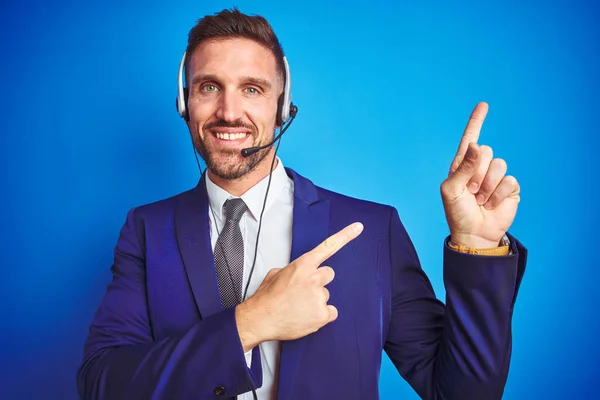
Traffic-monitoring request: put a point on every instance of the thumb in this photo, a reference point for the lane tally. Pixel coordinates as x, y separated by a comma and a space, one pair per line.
467, 167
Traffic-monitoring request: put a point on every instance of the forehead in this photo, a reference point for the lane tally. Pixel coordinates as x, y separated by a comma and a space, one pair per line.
233, 57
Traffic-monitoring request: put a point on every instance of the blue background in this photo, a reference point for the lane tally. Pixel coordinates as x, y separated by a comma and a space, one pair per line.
89, 130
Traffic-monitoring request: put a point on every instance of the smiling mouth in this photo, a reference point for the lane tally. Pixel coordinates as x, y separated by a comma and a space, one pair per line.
230, 136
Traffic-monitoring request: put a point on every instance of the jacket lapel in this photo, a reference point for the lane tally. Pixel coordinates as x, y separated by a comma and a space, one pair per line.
193, 238
310, 227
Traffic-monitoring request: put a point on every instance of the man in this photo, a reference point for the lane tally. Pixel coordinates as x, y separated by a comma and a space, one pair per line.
257, 283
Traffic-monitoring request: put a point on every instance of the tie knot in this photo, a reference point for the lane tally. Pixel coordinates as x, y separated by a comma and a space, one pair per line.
234, 209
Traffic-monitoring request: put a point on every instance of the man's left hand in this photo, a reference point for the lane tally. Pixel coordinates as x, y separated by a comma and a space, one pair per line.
479, 200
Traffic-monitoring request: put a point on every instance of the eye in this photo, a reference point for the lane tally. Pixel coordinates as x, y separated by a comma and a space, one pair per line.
210, 88
251, 90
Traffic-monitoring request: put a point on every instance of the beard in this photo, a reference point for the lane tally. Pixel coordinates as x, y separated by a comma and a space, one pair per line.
228, 164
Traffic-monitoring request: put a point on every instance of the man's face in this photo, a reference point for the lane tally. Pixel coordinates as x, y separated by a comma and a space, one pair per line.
233, 91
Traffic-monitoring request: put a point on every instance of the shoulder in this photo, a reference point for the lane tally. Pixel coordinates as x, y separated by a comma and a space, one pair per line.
161, 209
381, 221
378, 218
354, 205
342, 208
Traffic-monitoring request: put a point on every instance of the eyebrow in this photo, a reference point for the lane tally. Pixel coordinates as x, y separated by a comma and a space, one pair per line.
246, 79
257, 81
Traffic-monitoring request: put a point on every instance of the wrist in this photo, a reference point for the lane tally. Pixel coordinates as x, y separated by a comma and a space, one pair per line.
249, 326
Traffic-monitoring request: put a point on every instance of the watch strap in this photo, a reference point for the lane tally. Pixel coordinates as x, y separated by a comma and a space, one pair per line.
502, 250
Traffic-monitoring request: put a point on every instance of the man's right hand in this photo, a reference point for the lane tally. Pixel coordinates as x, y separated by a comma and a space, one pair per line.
291, 302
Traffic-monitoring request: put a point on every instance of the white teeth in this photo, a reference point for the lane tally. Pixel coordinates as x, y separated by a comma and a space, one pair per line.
231, 136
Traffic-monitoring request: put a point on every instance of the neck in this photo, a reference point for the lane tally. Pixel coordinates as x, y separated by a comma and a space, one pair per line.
237, 187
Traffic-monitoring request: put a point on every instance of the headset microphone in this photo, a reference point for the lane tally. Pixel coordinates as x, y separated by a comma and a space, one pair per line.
251, 150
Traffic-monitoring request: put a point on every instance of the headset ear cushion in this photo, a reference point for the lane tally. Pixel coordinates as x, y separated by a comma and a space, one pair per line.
185, 102
279, 119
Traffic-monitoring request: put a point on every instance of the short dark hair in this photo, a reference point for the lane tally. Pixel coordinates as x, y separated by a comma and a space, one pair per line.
234, 24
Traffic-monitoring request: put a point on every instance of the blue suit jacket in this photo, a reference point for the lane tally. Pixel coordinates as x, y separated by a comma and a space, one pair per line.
160, 332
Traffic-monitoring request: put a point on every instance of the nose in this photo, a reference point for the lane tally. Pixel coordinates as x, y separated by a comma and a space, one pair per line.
230, 108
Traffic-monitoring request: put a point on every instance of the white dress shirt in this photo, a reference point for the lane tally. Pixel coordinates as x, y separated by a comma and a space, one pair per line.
274, 248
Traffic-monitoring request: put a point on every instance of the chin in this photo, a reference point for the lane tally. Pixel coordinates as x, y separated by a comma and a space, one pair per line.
232, 165
229, 164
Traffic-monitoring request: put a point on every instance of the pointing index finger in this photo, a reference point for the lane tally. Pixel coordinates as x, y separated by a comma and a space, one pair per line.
471, 133
333, 243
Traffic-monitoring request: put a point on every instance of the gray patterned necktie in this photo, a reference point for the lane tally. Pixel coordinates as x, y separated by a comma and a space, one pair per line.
229, 254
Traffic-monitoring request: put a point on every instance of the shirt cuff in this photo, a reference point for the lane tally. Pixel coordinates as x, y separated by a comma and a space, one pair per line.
502, 250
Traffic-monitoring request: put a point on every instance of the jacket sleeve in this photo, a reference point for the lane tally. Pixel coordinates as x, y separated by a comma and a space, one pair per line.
122, 360
461, 350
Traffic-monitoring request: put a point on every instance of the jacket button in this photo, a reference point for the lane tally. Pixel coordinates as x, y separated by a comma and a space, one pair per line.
219, 391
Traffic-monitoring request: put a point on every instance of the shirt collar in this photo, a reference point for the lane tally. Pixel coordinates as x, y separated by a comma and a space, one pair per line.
254, 197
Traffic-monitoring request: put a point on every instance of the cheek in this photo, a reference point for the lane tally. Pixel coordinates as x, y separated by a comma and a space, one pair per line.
200, 114
263, 116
